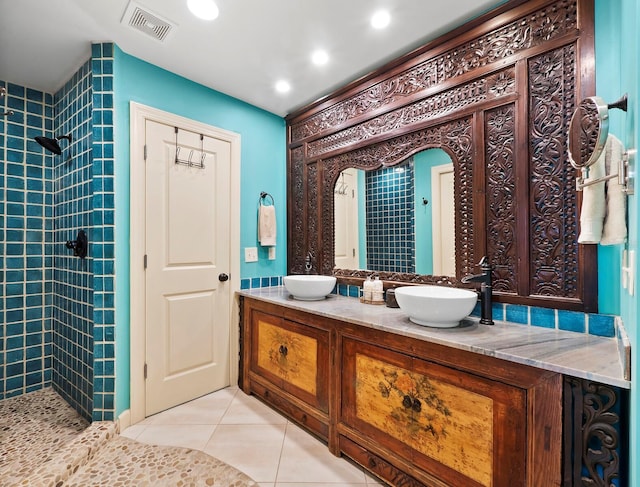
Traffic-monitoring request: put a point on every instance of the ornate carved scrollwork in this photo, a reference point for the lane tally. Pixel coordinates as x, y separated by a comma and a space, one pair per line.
497, 95
534, 29
312, 214
496, 85
296, 212
501, 191
599, 434
553, 210
593, 433
399, 277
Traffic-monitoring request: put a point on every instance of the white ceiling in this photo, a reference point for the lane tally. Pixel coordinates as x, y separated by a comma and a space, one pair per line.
242, 53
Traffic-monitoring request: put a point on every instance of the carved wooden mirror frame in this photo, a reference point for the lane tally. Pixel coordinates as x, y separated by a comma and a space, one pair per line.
497, 94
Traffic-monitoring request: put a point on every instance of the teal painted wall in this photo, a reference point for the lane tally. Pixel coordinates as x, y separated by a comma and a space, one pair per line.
263, 166
617, 72
609, 89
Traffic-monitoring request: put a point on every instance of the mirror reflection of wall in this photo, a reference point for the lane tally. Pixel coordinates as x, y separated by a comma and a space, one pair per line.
397, 219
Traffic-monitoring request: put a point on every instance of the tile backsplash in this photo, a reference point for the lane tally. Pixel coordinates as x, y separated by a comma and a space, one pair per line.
591, 323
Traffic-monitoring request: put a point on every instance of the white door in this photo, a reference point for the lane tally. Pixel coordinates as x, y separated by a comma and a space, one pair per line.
444, 231
187, 249
345, 204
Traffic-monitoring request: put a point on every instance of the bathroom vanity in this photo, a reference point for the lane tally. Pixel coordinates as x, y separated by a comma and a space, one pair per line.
472, 406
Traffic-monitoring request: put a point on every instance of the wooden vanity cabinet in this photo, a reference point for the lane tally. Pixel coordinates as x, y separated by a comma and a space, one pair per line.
412, 412
287, 354
416, 413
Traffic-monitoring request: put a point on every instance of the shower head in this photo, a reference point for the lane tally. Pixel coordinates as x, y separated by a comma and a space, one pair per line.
52, 144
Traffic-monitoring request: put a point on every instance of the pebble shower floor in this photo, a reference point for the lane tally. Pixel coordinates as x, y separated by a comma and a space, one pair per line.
44, 442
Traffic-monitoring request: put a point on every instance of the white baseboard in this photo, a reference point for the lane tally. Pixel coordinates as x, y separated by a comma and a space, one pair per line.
124, 419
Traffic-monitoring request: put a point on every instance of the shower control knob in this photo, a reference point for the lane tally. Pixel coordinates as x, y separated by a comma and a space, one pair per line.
223, 277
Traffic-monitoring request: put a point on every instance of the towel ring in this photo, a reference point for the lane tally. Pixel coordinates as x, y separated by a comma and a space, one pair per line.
263, 196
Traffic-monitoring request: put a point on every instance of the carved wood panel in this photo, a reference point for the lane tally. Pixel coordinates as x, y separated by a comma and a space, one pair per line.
498, 98
536, 28
494, 86
312, 217
296, 221
554, 245
501, 197
594, 433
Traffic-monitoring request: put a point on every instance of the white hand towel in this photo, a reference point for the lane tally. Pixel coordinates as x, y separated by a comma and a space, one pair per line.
593, 205
615, 226
267, 225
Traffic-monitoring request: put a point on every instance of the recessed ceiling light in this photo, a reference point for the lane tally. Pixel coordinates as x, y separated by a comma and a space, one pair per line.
203, 9
380, 19
319, 57
282, 86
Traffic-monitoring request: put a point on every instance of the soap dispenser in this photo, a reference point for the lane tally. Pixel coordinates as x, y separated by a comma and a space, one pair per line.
377, 295
367, 290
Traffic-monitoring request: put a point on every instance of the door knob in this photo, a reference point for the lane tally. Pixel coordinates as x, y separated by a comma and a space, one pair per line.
223, 277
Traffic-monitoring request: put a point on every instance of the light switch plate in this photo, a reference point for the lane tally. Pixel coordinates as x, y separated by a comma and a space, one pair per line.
272, 253
251, 254
628, 271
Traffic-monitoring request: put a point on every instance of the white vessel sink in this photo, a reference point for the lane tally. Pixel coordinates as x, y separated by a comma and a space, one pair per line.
437, 306
309, 287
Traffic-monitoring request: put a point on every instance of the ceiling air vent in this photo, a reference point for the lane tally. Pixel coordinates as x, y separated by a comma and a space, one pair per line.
142, 19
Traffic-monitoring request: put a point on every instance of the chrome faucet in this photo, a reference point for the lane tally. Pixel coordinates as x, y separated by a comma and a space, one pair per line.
486, 309
308, 263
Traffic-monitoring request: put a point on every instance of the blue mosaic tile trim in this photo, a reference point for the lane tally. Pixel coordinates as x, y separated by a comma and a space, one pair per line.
348, 290
103, 227
275, 281
593, 324
571, 321
73, 283
390, 219
25, 237
258, 282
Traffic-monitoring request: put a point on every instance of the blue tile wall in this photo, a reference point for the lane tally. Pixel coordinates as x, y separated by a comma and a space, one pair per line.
57, 311
25, 237
390, 219
103, 225
73, 280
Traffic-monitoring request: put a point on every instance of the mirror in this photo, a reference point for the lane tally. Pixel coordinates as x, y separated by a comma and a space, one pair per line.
588, 132
397, 219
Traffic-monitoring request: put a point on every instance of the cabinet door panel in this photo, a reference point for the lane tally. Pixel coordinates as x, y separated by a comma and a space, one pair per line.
462, 428
292, 356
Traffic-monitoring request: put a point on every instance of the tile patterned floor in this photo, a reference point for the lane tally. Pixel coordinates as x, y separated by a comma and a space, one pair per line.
243, 432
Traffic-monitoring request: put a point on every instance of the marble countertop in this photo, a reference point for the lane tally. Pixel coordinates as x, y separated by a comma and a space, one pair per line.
575, 354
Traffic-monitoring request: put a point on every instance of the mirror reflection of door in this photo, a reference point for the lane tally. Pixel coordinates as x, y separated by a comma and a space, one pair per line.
444, 250
346, 220
431, 221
